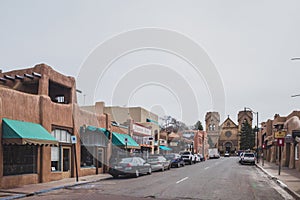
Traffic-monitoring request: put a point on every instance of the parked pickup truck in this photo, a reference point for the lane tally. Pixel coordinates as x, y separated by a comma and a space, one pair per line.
187, 157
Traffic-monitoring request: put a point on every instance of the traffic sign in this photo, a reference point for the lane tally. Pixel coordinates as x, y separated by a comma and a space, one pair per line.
280, 134
280, 142
73, 139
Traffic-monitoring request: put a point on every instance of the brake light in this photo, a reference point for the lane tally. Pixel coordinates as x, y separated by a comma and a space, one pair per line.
129, 165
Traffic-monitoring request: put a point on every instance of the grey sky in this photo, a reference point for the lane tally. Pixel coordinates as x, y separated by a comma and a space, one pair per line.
249, 42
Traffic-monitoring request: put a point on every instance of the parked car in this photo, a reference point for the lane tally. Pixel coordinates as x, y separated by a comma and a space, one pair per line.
159, 163
175, 159
213, 153
201, 157
196, 158
227, 154
248, 158
187, 156
133, 166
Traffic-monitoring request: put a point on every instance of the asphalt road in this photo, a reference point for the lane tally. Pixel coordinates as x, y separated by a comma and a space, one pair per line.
222, 178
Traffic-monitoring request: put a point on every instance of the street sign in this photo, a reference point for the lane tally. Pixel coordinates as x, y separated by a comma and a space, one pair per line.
280, 142
288, 139
73, 139
280, 134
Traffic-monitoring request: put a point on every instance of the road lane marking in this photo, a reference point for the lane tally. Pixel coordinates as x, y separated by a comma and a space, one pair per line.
206, 168
182, 180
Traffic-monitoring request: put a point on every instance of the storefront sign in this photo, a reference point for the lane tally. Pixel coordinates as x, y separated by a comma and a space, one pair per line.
288, 139
142, 130
173, 144
280, 134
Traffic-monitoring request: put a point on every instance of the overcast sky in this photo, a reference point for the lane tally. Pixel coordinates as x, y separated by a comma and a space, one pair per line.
249, 43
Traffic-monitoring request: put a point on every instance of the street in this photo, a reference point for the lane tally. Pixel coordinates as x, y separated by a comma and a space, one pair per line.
222, 178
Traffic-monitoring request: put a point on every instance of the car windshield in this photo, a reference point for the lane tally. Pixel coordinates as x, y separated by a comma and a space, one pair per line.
126, 160
152, 159
171, 156
185, 153
249, 155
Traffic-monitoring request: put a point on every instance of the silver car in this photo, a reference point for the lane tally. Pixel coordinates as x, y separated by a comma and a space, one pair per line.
159, 163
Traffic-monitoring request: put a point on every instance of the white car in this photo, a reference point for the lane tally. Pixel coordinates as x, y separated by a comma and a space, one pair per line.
247, 158
196, 158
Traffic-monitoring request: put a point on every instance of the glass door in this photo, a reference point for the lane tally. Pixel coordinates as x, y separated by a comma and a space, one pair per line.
66, 164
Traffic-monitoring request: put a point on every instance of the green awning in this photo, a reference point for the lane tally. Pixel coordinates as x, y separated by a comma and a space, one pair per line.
93, 128
119, 139
19, 132
94, 136
165, 148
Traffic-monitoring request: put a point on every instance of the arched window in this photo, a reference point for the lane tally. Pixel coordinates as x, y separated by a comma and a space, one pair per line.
213, 127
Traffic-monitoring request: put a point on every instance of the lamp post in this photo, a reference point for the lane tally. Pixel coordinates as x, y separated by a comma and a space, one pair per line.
256, 130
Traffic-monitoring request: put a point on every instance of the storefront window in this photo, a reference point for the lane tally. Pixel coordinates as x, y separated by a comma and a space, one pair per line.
64, 137
19, 159
55, 159
87, 159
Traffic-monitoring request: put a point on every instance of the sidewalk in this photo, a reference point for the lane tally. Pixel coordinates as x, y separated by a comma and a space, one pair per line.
289, 179
32, 189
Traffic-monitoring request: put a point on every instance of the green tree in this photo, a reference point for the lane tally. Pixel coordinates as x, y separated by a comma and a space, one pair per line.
247, 137
198, 126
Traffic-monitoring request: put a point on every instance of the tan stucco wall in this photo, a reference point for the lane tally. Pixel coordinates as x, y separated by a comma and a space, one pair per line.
38, 108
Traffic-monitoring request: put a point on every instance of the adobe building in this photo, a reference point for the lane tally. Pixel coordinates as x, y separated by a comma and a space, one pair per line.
138, 120
39, 122
290, 126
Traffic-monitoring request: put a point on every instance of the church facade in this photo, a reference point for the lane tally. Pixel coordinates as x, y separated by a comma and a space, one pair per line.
226, 136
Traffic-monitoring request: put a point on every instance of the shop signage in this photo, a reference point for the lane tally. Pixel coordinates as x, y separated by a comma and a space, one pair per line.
288, 139
142, 130
173, 144
280, 134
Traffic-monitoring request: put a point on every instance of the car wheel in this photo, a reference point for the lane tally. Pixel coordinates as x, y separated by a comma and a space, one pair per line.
137, 173
149, 171
190, 162
115, 176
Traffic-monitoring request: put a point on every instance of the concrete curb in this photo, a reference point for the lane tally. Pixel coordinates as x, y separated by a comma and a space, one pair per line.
280, 183
19, 196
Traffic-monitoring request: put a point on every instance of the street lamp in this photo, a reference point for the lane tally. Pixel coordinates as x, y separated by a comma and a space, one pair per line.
256, 130
296, 58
